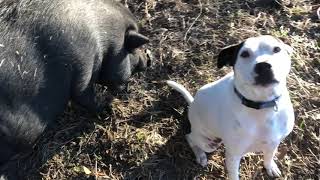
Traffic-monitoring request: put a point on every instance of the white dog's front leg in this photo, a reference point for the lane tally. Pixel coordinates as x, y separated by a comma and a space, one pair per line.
269, 164
233, 165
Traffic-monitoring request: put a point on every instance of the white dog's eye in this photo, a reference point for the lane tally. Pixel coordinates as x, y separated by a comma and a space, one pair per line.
245, 54
276, 49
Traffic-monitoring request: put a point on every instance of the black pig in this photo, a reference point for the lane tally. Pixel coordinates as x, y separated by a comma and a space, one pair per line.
53, 51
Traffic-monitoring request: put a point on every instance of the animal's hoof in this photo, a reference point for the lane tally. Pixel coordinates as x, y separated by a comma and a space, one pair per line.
273, 170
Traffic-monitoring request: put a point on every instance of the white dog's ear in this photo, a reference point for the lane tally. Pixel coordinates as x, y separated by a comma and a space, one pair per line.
228, 55
286, 45
288, 48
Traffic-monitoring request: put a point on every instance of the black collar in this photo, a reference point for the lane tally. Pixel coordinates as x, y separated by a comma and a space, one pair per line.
257, 104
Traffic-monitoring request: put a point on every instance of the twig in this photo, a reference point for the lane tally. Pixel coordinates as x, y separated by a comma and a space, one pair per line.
192, 24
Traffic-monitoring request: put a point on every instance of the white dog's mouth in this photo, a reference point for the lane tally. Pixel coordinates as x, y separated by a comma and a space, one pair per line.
265, 79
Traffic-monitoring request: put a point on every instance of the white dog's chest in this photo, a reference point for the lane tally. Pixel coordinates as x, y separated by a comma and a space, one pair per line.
260, 131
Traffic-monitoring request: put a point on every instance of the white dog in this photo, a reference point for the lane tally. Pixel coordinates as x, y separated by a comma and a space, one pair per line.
248, 110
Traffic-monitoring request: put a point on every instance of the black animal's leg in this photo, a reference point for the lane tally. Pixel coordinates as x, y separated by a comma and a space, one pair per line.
9, 165
6, 151
89, 100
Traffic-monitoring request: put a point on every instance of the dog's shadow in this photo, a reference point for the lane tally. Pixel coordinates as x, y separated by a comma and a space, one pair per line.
174, 160
169, 161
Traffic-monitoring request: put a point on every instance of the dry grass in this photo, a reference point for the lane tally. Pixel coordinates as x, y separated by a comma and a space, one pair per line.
142, 135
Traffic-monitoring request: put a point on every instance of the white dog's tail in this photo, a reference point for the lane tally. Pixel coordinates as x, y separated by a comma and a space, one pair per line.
178, 87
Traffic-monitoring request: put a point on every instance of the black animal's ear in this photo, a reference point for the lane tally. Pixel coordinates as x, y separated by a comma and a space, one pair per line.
228, 55
134, 40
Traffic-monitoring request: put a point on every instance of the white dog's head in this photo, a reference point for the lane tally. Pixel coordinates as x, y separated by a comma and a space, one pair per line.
258, 61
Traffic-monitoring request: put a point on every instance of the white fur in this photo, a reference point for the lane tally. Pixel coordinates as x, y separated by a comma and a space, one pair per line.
217, 112
181, 90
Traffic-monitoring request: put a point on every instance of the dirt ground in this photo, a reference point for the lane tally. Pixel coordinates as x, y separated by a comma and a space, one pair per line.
141, 134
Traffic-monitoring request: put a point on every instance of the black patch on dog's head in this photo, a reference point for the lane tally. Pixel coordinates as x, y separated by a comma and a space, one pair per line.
228, 55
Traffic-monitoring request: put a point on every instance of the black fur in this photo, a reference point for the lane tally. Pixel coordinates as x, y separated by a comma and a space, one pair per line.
54, 51
228, 55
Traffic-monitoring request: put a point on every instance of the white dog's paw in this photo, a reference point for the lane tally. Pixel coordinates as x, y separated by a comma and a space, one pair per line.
202, 159
273, 170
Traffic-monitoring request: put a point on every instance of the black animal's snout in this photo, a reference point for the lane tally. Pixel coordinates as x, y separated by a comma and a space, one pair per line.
145, 60
262, 68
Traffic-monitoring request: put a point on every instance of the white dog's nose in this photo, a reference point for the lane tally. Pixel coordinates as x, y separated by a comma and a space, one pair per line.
264, 74
262, 68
